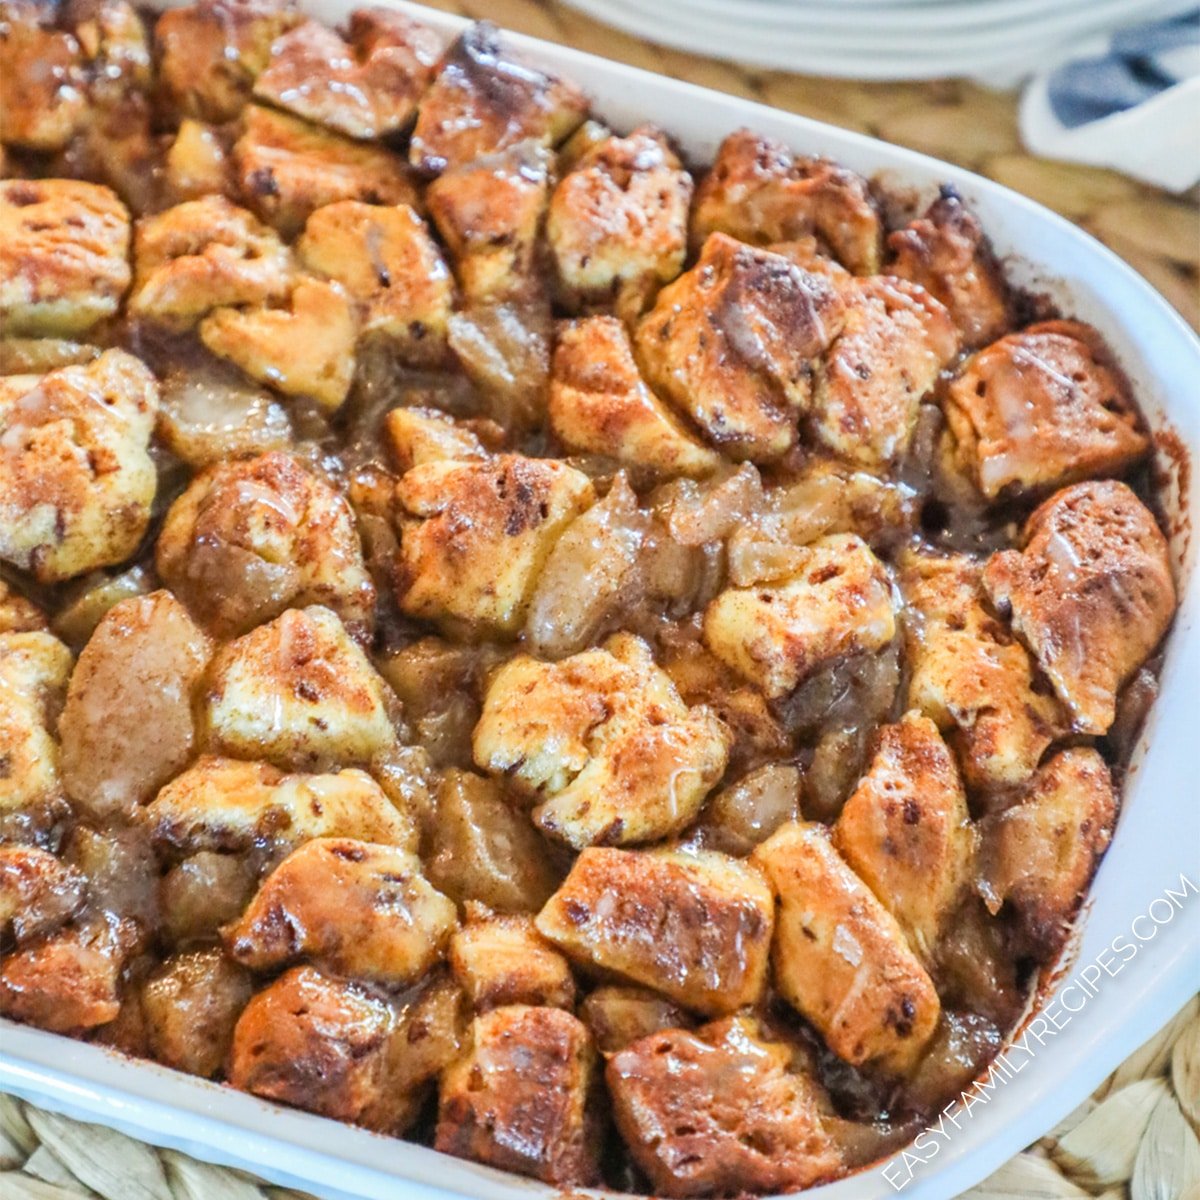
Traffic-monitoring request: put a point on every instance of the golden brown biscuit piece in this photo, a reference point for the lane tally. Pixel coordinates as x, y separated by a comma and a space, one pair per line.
248, 539
948, 254
299, 693
42, 80
477, 534
197, 162
906, 832
210, 53
38, 892
287, 169
522, 1096
39, 356
366, 85
839, 956
489, 213
603, 742
719, 1111
114, 41
128, 726
1040, 854
894, 344
836, 600
733, 343
390, 267
695, 927
500, 960
1042, 408
617, 224
759, 192
34, 669
971, 676
17, 614
203, 254
599, 404
359, 909
485, 99
76, 477
416, 436
64, 256
1091, 593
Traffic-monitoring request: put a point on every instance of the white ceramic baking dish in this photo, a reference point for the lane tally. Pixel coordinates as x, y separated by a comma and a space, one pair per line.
1106, 1002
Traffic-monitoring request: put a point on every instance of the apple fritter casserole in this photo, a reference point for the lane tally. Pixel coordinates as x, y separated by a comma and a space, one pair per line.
615, 668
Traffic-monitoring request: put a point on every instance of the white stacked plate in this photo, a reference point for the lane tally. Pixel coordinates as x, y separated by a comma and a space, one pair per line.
880, 39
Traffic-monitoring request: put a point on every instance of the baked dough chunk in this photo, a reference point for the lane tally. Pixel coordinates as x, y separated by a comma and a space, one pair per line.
248, 539
695, 927
417, 436
390, 266
42, 95
38, 892
759, 192
521, 1098
210, 53
39, 356
948, 254
719, 1111
1091, 594
599, 404
836, 600
34, 668
1040, 854
733, 342
906, 832
221, 804
287, 169
500, 960
196, 164
358, 908
971, 676
895, 342
489, 213
485, 99
603, 741
64, 256
839, 956
298, 692
18, 615
303, 349
617, 224
203, 254
128, 726
477, 535
1042, 408
76, 477
365, 86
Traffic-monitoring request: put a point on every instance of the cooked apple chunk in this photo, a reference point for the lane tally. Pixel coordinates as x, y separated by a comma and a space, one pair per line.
203, 254
500, 960
360, 909
894, 344
839, 956
221, 804
734, 341
64, 255
948, 254
836, 600
489, 212
417, 436
719, 1111
303, 349
248, 539
34, 669
971, 676
1091, 594
1040, 854
43, 96
599, 404
759, 192
287, 169
695, 927
619, 1016
366, 85
390, 267
299, 693
197, 163
485, 99
477, 534
617, 224
906, 832
1042, 408
38, 892
603, 742
522, 1096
